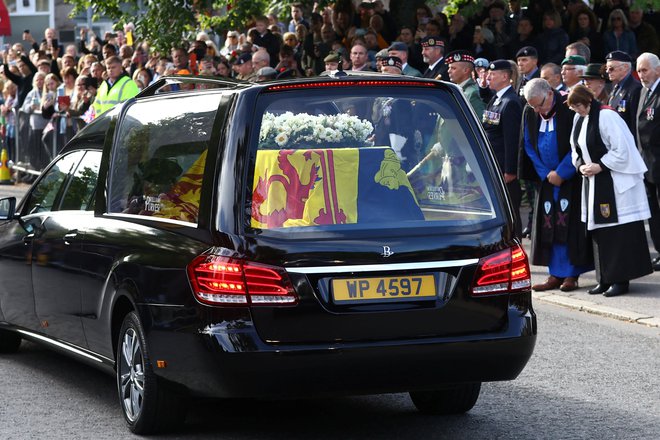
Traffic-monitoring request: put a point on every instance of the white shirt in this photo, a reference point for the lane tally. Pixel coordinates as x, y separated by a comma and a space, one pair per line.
500, 94
626, 167
432, 66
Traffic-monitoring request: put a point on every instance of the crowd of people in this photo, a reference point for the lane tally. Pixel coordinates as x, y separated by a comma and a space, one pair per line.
557, 85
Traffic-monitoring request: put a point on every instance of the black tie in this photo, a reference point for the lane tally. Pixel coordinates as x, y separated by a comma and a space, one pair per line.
647, 100
492, 101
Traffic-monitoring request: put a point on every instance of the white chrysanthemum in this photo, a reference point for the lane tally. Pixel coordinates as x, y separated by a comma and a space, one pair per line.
282, 139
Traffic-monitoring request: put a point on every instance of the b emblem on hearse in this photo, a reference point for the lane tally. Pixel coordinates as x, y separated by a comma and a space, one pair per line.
387, 252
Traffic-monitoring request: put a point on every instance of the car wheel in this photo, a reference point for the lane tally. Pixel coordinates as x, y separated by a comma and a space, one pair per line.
148, 406
9, 341
455, 399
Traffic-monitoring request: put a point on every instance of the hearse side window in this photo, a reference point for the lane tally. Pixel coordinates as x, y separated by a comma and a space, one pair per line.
79, 194
45, 193
366, 158
158, 160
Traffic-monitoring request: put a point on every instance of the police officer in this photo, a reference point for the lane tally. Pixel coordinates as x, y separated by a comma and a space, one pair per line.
501, 120
625, 94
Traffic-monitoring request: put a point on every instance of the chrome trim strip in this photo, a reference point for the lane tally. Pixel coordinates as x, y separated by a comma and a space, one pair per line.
61, 345
151, 219
382, 267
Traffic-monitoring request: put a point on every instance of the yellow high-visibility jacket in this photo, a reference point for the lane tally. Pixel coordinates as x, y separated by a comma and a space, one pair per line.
107, 97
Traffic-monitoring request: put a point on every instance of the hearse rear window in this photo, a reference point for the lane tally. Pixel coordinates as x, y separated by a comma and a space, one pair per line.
369, 156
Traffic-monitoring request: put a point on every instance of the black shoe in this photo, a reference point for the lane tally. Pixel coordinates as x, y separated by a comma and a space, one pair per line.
656, 263
617, 289
600, 288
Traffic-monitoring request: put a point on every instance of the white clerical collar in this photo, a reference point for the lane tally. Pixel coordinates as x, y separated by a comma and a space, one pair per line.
547, 125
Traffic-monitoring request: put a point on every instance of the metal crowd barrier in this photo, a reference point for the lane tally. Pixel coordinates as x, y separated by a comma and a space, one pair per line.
31, 153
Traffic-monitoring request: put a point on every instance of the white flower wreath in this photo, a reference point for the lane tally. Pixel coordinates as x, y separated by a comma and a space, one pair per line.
302, 130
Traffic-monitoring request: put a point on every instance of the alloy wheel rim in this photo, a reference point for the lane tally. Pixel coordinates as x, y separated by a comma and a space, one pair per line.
131, 375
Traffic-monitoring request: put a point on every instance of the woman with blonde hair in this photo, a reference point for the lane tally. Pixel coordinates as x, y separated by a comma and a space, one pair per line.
32, 107
618, 35
614, 203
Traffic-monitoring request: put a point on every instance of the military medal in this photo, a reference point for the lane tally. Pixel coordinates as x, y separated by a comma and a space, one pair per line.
650, 113
622, 106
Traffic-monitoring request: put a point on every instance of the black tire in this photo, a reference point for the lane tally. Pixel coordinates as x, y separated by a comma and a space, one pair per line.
148, 406
455, 399
9, 341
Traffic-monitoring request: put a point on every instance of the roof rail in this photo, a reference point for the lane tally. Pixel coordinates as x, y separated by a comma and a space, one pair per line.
170, 84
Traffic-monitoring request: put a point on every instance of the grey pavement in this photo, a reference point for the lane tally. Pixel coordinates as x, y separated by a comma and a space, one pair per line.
641, 305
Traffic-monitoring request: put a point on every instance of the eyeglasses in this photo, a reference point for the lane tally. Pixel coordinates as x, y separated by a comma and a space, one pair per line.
536, 107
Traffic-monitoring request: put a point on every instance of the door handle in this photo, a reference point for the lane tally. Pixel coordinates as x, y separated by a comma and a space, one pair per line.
28, 239
70, 237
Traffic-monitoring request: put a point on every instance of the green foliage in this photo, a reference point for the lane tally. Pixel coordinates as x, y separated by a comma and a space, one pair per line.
163, 23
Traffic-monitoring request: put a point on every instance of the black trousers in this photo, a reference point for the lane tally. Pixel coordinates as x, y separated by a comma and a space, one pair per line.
654, 221
515, 194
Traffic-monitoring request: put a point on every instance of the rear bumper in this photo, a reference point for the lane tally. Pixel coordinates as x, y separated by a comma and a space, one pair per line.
229, 360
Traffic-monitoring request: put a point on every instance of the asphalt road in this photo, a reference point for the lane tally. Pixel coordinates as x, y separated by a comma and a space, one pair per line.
590, 377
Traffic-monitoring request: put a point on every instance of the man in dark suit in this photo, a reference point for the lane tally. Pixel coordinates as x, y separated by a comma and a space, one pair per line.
625, 95
501, 120
648, 138
433, 52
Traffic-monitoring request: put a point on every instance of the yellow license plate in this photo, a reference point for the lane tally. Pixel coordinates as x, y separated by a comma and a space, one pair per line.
409, 288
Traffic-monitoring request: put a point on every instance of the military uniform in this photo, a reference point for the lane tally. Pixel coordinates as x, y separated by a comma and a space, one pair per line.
440, 68
625, 95
469, 86
501, 121
527, 51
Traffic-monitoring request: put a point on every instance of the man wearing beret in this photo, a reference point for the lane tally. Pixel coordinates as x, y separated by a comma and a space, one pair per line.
460, 67
527, 59
244, 69
399, 49
501, 121
625, 94
648, 139
433, 52
572, 68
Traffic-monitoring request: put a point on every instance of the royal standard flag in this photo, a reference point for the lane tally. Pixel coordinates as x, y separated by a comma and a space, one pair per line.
182, 201
330, 186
